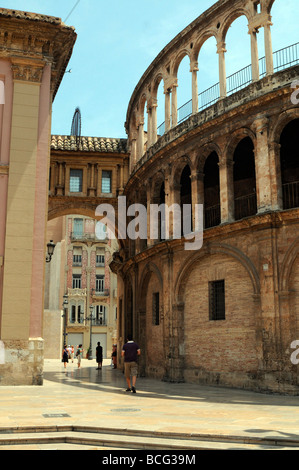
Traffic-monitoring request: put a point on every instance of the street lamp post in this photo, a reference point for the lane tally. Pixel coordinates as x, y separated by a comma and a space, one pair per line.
90, 318
65, 306
50, 251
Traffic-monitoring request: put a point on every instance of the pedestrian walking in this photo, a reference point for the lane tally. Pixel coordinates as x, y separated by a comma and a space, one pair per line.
99, 355
72, 353
130, 352
65, 356
114, 356
79, 355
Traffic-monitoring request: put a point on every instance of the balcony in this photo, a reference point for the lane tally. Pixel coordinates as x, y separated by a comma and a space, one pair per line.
76, 236
100, 293
245, 206
290, 193
76, 292
212, 216
99, 322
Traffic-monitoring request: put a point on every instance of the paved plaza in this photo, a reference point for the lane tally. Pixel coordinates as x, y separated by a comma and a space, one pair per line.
91, 399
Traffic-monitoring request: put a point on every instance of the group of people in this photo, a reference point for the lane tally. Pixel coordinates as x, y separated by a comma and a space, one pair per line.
130, 353
69, 354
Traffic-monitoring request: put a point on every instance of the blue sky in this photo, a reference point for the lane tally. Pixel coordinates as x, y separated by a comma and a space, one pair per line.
118, 40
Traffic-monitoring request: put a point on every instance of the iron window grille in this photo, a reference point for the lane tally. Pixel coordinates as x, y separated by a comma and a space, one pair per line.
217, 300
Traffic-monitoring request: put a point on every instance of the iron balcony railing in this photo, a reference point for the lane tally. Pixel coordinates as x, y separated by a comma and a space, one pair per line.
245, 206
212, 216
282, 59
290, 193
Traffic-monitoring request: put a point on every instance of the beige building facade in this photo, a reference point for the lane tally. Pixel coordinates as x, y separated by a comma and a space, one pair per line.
79, 272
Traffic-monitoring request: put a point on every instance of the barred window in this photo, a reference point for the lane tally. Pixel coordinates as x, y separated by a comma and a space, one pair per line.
106, 181
100, 260
156, 308
76, 281
100, 283
76, 178
217, 300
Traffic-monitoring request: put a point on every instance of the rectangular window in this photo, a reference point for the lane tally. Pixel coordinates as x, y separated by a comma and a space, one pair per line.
217, 300
73, 314
76, 178
77, 228
156, 308
76, 281
106, 181
100, 315
77, 260
100, 260
100, 283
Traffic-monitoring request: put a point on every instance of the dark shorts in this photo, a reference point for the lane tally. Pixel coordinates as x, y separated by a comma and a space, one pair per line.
131, 369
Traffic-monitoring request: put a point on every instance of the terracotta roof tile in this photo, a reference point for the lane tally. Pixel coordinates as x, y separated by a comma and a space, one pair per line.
88, 144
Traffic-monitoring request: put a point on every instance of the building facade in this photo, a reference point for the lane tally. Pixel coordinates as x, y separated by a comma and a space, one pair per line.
79, 273
34, 52
227, 313
91, 287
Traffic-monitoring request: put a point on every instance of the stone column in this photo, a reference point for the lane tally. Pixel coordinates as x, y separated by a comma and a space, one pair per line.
268, 47
262, 166
275, 174
221, 50
133, 156
197, 189
226, 179
140, 151
254, 55
194, 69
167, 109
154, 121
149, 126
174, 104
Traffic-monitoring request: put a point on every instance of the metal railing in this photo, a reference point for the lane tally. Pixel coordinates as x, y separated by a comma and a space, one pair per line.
212, 216
245, 206
282, 59
290, 193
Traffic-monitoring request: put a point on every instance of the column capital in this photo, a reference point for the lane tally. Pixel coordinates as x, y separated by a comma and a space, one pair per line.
28, 72
221, 47
197, 176
260, 124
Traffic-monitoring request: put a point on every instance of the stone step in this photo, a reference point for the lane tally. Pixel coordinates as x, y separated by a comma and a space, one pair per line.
82, 437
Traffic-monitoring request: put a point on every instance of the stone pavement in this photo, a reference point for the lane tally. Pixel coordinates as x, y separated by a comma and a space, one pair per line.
93, 399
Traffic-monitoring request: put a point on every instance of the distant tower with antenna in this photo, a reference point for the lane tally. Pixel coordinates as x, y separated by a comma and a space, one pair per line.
76, 125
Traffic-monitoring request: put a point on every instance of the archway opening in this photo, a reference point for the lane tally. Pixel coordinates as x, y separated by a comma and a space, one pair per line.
244, 179
186, 201
184, 90
289, 161
238, 55
211, 191
208, 74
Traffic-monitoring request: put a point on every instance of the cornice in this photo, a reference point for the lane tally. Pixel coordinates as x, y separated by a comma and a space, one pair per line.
31, 41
